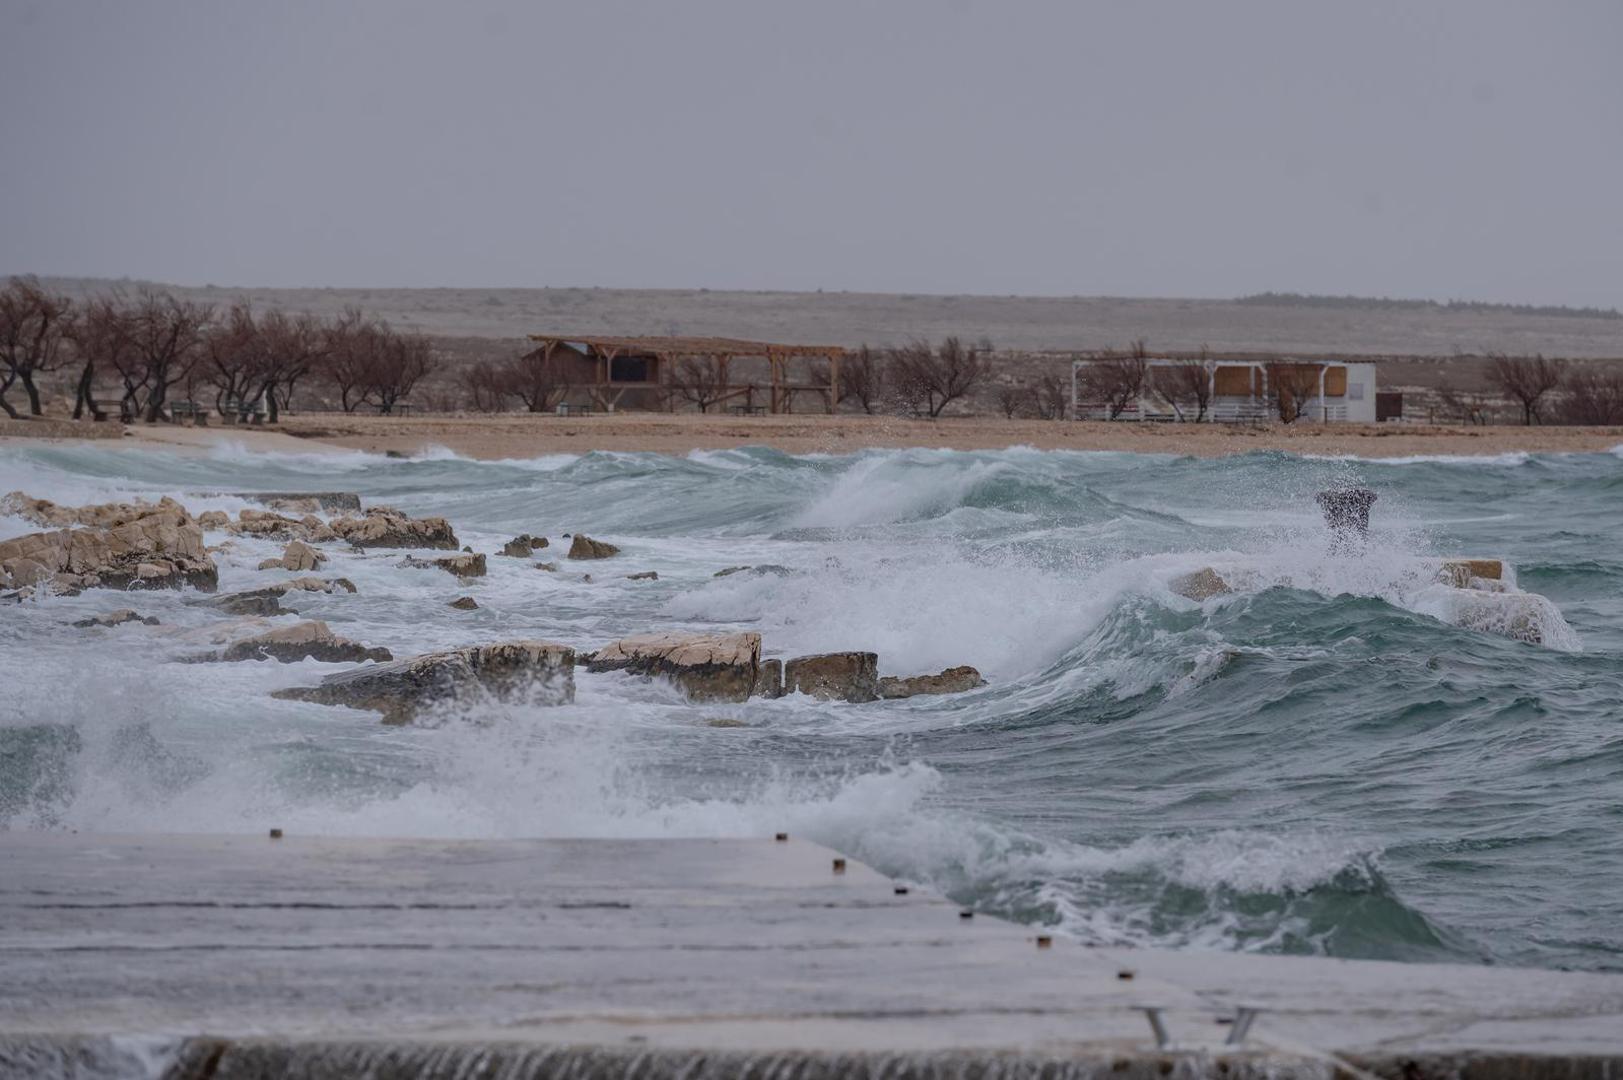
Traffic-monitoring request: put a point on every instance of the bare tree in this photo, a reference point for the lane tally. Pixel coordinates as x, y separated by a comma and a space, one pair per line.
482, 386
1186, 383
232, 351
101, 337
927, 380
1292, 387
1117, 379
291, 346
1050, 397
701, 380
1526, 380
862, 379
1471, 406
35, 331
1594, 396
166, 339
398, 366
535, 378
352, 345
1011, 399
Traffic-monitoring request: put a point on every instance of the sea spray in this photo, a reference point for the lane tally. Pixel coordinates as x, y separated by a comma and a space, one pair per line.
1318, 762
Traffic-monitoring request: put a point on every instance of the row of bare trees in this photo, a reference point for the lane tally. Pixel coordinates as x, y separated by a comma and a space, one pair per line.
1541, 390
156, 346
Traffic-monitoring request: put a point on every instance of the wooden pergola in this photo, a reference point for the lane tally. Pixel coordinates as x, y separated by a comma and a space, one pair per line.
610, 367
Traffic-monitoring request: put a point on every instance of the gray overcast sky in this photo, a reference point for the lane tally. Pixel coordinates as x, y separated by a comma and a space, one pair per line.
1470, 149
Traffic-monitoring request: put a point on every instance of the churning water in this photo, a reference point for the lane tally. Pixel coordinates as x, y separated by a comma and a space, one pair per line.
1321, 765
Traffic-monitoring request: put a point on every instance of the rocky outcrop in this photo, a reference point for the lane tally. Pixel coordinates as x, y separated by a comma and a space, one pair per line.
269, 525
298, 556
463, 566
954, 680
527, 672
1202, 584
769, 679
841, 676
646, 575
386, 527
464, 603
1464, 573
521, 545
311, 640
305, 502
707, 667
99, 515
584, 547
757, 571
116, 618
267, 599
214, 519
142, 547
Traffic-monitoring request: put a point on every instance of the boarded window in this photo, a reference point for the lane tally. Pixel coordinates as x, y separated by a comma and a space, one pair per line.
631, 369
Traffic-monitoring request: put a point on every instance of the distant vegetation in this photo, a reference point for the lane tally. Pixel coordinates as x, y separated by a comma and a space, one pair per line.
1369, 303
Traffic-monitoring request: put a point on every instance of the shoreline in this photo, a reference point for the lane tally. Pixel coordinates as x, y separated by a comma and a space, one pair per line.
517, 435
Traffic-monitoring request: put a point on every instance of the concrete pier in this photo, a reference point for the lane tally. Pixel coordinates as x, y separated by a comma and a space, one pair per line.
231, 956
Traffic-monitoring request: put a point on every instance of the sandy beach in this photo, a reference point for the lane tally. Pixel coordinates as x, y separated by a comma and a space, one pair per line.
524, 435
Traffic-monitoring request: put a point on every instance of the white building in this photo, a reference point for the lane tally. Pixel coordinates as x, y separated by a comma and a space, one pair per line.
1238, 390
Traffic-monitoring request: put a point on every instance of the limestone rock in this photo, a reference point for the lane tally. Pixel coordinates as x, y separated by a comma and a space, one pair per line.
757, 571
116, 618
298, 556
584, 547
464, 603
141, 547
100, 515
1461, 573
521, 545
1202, 584
267, 599
841, 676
384, 526
708, 667
269, 525
529, 672
954, 680
214, 519
646, 575
769, 679
305, 502
311, 640
462, 566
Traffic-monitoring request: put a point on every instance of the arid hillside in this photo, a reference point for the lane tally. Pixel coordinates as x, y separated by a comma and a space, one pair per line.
1011, 322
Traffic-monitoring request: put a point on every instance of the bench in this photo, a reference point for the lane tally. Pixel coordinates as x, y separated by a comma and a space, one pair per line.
179, 410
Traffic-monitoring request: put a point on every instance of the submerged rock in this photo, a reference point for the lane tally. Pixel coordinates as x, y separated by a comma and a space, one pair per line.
707, 667
462, 566
142, 547
116, 618
646, 575
531, 672
464, 603
760, 571
304, 502
841, 676
266, 600
384, 526
1202, 584
955, 680
584, 547
311, 640
297, 556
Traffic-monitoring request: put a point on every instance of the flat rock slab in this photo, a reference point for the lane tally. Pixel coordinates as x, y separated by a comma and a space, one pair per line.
331, 957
